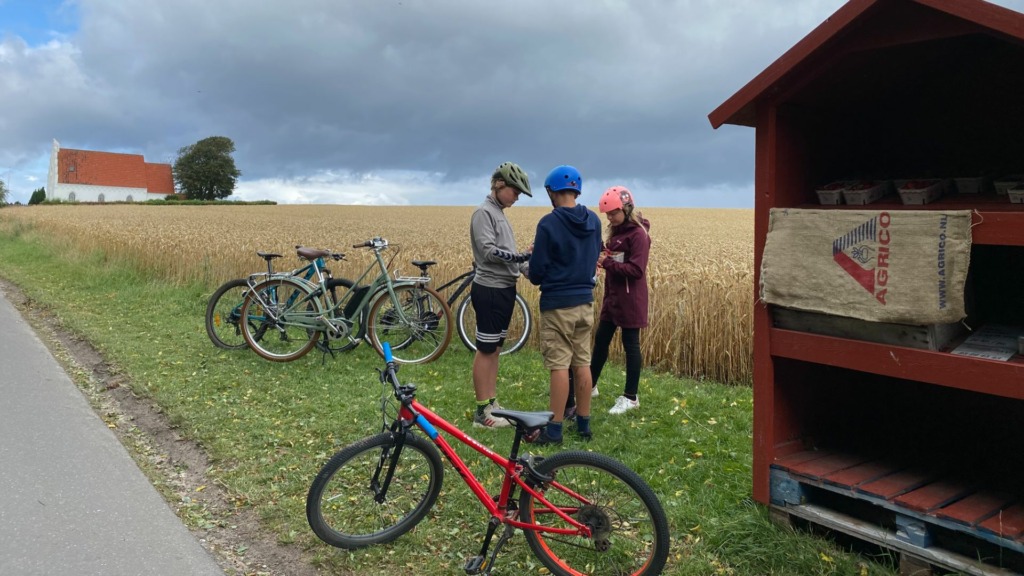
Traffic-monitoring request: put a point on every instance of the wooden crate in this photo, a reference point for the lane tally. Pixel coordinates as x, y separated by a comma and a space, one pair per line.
925, 337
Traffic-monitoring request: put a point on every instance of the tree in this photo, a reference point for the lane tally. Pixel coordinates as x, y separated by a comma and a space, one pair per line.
3, 193
205, 170
38, 195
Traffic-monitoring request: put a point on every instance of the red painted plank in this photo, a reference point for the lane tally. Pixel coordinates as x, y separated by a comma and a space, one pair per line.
893, 485
974, 508
866, 472
1008, 523
932, 496
829, 464
972, 374
788, 462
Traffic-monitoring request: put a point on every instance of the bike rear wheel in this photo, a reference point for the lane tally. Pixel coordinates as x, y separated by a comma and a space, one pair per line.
343, 506
281, 311
518, 329
223, 313
424, 333
629, 527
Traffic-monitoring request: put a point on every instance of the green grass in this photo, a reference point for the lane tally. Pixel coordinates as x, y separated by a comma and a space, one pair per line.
268, 427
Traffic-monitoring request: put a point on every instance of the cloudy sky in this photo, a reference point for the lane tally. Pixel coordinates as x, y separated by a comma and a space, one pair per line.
399, 101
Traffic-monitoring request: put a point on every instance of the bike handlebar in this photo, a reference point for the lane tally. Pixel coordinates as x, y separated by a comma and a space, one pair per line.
390, 373
377, 242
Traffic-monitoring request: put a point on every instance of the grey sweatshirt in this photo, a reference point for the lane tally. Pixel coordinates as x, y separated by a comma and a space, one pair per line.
498, 265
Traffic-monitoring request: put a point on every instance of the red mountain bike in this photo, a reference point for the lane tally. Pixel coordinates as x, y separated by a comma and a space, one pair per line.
581, 512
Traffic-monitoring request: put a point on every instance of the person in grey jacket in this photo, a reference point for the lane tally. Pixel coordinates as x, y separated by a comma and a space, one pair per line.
498, 267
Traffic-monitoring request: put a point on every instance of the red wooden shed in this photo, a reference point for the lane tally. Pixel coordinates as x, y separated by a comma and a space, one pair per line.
913, 447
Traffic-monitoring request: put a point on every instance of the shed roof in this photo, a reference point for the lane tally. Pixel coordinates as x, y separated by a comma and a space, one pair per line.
862, 26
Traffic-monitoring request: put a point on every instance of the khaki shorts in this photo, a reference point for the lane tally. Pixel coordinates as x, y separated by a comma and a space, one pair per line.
565, 336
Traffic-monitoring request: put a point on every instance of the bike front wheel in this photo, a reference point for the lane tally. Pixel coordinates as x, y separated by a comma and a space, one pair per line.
351, 505
518, 329
629, 529
416, 322
280, 313
223, 315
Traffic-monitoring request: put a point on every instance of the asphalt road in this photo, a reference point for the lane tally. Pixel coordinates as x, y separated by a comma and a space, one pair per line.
72, 501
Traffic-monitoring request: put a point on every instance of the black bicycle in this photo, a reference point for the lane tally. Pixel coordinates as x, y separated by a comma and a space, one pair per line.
465, 316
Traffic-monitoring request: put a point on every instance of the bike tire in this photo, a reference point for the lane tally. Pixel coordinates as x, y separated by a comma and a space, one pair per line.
223, 313
630, 529
425, 334
518, 330
278, 302
341, 505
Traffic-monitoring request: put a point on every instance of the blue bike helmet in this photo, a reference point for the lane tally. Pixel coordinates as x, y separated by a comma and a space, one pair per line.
564, 177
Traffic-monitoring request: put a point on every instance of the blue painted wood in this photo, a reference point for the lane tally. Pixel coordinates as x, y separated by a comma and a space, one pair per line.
784, 490
913, 530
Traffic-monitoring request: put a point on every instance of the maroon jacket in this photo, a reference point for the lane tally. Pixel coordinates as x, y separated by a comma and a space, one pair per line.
625, 281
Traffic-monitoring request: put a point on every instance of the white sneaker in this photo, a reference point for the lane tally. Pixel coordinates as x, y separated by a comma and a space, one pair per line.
594, 392
622, 404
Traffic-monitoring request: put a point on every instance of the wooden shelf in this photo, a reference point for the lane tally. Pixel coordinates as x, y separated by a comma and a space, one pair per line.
942, 368
995, 220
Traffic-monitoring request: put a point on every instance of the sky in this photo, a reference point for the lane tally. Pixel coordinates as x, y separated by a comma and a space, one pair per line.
399, 102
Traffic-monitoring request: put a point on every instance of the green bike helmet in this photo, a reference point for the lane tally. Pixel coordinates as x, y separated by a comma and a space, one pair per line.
514, 176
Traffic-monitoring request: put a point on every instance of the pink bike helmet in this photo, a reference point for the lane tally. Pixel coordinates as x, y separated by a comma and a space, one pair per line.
616, 198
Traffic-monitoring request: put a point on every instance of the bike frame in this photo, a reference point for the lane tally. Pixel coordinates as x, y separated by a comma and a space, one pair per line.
430, 423
316, 320
304, 273
467, 279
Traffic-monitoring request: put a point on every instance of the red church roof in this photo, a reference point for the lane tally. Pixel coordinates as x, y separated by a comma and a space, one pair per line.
113, 169
159, 179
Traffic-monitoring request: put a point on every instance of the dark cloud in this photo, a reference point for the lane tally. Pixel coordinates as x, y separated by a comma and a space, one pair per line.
312, 90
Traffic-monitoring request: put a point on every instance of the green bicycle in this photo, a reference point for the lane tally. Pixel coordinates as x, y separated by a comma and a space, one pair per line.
295, 313
223, 309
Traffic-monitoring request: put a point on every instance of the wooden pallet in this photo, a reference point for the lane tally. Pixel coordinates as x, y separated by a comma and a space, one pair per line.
926, 515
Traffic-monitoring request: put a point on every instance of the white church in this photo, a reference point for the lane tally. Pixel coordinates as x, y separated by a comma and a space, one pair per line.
89, 176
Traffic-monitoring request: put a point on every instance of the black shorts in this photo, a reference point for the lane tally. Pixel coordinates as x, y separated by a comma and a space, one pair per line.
493, 308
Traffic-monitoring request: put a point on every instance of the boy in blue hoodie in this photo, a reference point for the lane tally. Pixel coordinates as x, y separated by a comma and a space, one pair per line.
564, 265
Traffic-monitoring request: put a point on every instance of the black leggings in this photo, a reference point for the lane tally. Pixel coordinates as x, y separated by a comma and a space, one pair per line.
630, 344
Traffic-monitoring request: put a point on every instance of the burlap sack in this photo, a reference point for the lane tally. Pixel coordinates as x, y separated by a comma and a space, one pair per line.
907, 267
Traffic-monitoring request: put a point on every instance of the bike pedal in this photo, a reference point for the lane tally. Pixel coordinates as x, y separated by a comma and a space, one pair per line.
475, 565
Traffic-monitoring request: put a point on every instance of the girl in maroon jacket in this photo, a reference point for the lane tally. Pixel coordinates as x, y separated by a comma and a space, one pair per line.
624, 261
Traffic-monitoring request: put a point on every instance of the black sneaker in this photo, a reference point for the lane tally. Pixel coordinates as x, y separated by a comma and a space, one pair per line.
544, 439
585, 436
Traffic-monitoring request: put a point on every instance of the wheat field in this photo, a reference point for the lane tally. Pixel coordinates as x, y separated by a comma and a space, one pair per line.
700, 271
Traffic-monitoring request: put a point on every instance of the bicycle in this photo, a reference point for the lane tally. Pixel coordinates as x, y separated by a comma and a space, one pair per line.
581, 512
465, 315
297, 312
224, 306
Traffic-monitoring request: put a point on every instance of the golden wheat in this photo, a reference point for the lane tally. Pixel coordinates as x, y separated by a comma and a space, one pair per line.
700, 272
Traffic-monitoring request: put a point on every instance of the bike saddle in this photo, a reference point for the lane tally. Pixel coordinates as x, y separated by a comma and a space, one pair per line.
526, 419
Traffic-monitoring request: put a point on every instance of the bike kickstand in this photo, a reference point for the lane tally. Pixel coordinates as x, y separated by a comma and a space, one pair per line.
478, 564
325, 347
506, 535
